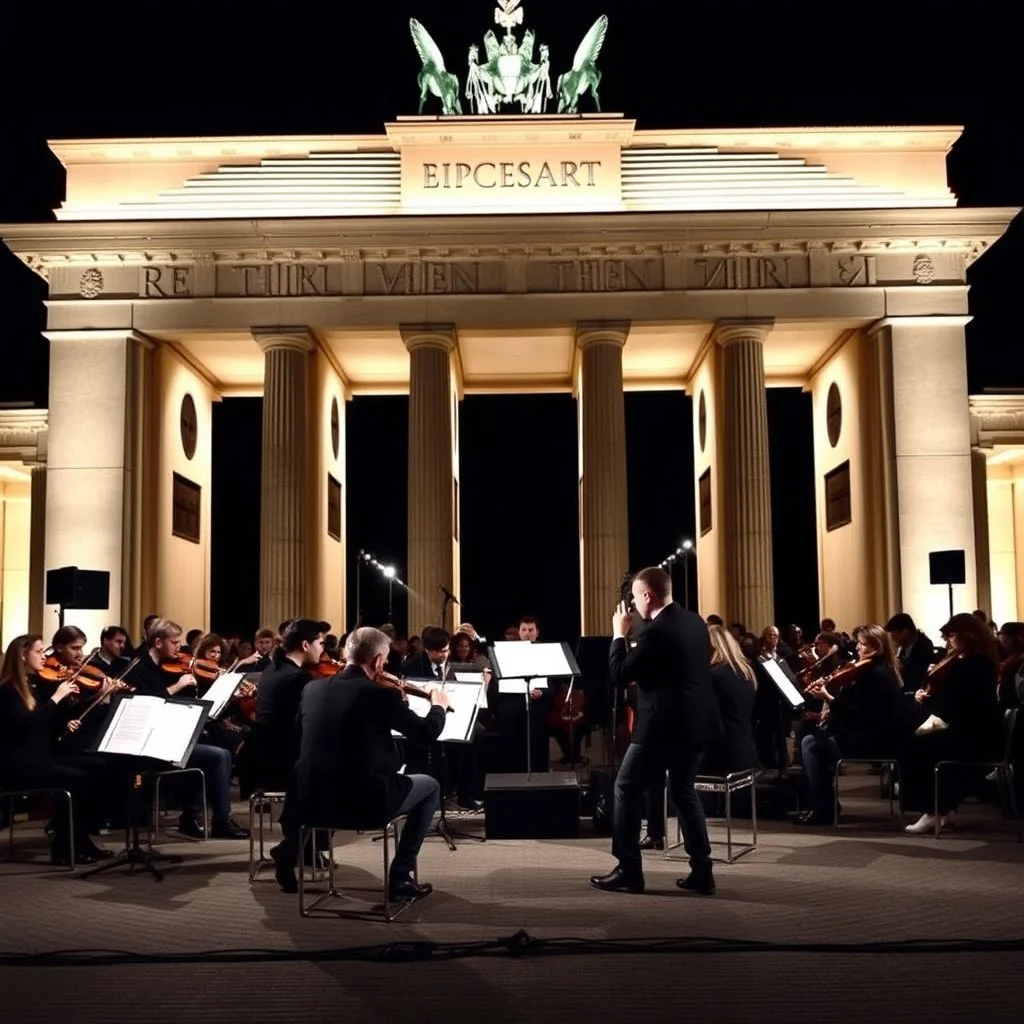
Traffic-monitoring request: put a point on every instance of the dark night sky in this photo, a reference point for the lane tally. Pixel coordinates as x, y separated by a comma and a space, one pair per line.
667, 65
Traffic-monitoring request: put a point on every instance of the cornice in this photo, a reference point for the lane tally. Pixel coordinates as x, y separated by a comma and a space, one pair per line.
997, 419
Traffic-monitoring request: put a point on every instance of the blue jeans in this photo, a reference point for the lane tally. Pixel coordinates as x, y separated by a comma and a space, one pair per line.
420, 806
820, 752
641, 768
215, 763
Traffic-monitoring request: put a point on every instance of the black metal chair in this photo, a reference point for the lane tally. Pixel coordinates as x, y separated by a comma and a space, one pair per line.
1004, 775
889, 764
726, 786
13, 794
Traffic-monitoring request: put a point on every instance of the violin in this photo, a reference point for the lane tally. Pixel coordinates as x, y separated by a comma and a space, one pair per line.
406, 689
177, 664
326, 667
849, 673
806, 674
204, 670
940, 671
116, 685
245, 700
88, 677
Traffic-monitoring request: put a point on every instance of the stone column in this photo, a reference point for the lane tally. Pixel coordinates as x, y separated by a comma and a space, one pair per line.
285, 542
979, 493
37, 550
431, 483
604, 518
743, 462
932, 451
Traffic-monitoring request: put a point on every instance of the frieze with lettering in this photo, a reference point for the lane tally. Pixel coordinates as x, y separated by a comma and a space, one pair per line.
746, 273
431, 277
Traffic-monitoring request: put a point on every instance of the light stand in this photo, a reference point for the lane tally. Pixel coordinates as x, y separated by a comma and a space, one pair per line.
950, 585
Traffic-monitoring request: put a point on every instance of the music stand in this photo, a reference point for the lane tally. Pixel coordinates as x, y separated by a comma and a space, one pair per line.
144, 730
466, 695
782, 676
518, 661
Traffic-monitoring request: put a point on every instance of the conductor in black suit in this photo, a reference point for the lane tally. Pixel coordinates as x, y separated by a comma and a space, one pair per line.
347, 774
677, 717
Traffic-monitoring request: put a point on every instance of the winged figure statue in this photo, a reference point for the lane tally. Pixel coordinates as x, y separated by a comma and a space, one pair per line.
584, 74
434, 78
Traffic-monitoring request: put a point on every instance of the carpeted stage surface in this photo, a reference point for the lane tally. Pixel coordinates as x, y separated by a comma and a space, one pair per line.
868, 884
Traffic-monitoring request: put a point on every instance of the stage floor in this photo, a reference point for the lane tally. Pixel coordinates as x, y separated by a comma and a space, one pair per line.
868, 883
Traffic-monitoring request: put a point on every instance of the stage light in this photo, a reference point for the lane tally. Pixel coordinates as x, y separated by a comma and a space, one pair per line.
687, 545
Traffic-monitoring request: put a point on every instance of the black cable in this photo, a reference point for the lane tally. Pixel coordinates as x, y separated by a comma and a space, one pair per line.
518, 944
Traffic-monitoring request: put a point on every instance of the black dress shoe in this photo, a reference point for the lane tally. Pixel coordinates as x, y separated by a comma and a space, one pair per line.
408, 890
619, 880
650, 843
90, 849
64, 860
189, 826
229, 830
702, 884
284, 873
816, 819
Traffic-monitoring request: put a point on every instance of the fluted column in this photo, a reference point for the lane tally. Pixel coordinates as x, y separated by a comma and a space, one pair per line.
979, 493
604, 518
431, 486
745, 472
37, 550
284, 515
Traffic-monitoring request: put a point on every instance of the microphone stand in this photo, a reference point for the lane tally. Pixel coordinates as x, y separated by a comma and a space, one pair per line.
445, 600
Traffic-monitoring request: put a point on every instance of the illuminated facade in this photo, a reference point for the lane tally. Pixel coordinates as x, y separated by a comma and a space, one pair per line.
526, 253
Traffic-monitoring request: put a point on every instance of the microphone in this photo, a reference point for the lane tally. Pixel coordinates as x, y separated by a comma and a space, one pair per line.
449, 596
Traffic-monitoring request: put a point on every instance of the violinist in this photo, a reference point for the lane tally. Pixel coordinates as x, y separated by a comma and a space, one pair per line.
67, 652
960, 719
260, 659
230, 729
273, 746
30, 722
914, 650
110, 656
158, 673
1011, 667
348, 772
866, 716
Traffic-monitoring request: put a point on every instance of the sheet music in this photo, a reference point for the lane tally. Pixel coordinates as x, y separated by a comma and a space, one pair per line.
222, 690
782, 681
517, 658
465, 699
521, 686
132, 725
174, 728
145, 726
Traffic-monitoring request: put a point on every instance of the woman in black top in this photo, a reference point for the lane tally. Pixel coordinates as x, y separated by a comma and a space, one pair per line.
961, 693
735, 690
867, 718
30, 724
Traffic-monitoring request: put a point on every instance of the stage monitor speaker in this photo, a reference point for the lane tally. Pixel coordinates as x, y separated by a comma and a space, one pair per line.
947, 567
541, 806
72, 587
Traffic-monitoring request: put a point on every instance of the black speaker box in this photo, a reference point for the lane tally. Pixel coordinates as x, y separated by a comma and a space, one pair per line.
78, 588
545, 805
947, 567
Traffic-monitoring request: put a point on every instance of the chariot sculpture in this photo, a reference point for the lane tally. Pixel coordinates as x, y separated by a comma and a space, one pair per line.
509, 77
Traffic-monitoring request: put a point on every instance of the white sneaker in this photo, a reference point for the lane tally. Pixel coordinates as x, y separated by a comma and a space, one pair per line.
926, 823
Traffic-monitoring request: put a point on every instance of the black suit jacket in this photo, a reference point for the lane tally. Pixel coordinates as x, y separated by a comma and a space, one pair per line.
734, 750
274, 741
914, 667
347, 771
671, 665
419, 666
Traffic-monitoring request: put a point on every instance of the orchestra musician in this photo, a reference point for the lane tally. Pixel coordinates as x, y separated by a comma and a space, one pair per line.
434, 662
348, 773
151, 677
1011, 667
263, 649
30, 722
273, 745
915, 651
866, 718
111, 657
677, 717
961, 693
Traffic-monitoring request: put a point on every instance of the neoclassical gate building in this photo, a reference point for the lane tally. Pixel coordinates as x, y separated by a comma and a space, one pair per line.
501, 254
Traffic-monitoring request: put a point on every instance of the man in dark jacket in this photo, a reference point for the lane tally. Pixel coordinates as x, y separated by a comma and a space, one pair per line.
677, 717
348, 774
914, 650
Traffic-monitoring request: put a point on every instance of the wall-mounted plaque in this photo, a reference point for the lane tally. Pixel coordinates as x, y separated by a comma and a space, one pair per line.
837, 497
834, 414
333, 508
335, 427
186, 508
702, 421
189, 424
704, 493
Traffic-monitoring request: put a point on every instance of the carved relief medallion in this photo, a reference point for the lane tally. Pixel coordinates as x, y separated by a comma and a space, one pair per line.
189, 424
